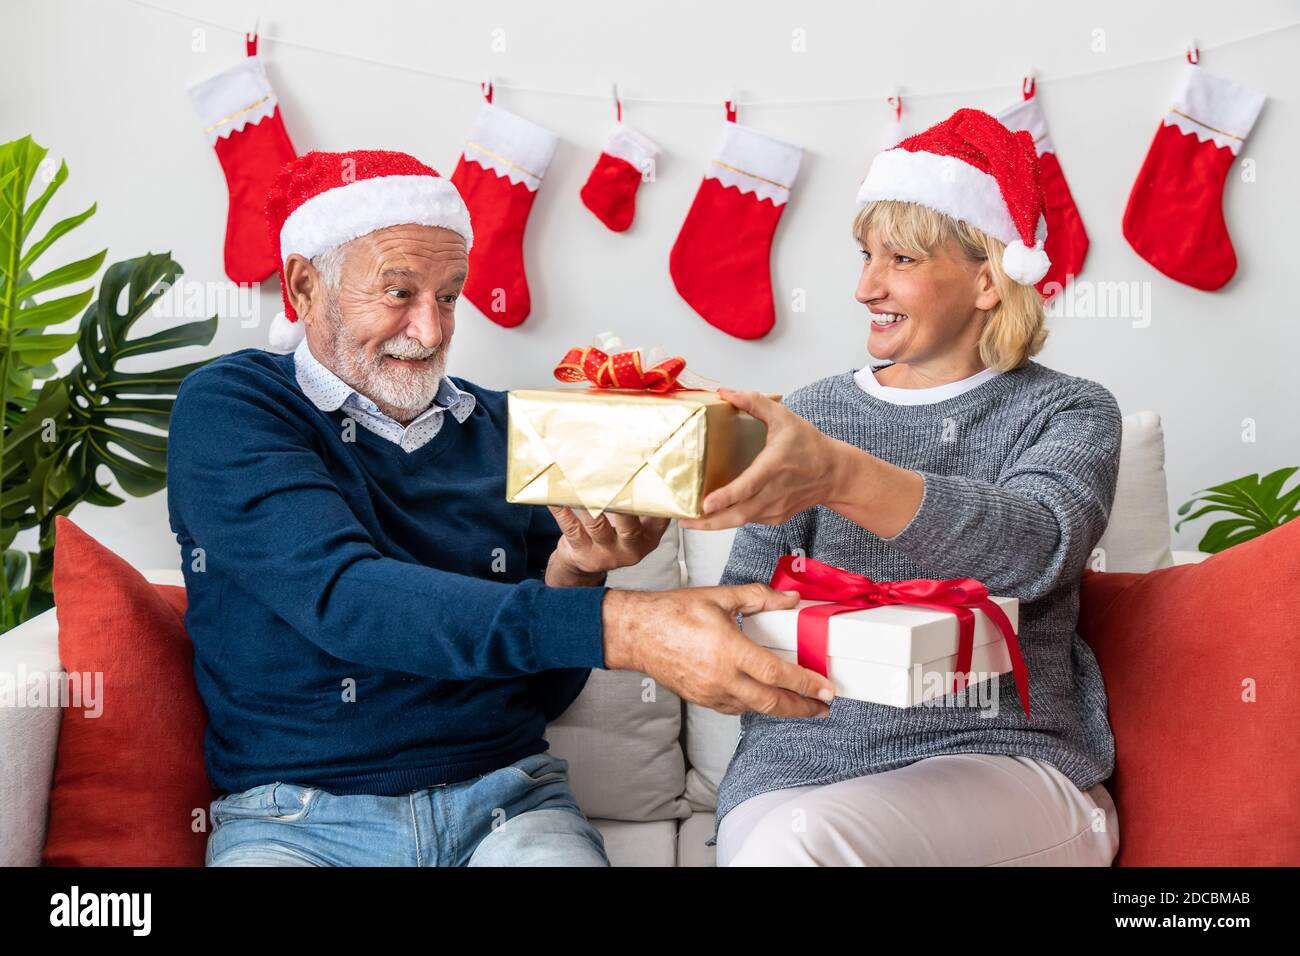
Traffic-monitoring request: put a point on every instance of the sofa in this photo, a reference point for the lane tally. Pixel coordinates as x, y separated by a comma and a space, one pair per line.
643, 764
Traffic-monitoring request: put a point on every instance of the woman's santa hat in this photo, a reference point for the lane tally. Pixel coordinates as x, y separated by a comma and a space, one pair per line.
322, 200
972, 168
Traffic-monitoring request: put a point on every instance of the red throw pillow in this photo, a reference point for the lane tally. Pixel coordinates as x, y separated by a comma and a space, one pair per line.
1204, 775
127, 783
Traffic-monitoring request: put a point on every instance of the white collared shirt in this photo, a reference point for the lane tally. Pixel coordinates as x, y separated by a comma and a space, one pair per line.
328, 392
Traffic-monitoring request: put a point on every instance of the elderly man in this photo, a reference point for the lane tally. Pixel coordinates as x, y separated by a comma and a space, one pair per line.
379, 637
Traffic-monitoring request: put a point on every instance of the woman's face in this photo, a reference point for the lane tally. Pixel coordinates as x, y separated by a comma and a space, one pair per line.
942, 297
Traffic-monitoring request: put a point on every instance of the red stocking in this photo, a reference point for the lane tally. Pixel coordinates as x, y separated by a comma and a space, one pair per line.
610, 190
241, 117
1174, 219
498, 174
720, 262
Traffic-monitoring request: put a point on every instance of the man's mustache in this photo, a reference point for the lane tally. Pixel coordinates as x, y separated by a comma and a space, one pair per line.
408, 350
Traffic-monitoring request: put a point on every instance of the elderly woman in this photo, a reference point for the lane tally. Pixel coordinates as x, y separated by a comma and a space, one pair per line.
961, 457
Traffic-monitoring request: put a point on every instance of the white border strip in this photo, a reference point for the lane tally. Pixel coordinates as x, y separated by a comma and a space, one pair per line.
511, 146
631, 146
346, 212
755, 162
1214, 107
947, 184
234, 98
1028, 116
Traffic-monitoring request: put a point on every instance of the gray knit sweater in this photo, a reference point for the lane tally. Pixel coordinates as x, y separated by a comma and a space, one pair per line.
1019, 476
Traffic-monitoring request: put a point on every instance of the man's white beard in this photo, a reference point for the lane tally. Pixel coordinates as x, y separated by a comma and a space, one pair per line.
409, 389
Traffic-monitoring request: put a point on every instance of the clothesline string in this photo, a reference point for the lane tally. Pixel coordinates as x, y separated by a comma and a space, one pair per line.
713, 103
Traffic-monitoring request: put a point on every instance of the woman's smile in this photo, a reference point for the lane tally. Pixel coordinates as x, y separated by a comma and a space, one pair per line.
886, 321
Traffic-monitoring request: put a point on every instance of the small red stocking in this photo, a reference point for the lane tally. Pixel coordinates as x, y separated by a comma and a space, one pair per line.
721, 261
498, 174
1174, 219
1067, 241
610, 191
241, 117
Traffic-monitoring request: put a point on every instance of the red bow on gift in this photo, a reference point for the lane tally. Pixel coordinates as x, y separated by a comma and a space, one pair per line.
620, 370
855, 592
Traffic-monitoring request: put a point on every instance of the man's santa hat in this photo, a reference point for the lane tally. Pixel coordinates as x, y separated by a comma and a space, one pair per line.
322, 200
974, 169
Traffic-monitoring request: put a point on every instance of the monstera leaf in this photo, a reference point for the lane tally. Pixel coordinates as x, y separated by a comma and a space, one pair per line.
27, 349
1257, 504
58, 431
102, 405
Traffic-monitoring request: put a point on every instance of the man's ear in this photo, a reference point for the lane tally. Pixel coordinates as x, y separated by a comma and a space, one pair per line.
303, 286
986, 291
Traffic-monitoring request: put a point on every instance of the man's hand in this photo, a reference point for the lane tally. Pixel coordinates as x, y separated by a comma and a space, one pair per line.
798, 468
589, 547
688, 641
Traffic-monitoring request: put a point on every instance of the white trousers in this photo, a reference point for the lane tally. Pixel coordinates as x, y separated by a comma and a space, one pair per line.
951, 810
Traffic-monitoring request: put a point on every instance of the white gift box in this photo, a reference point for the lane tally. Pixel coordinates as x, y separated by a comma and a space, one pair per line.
899, 654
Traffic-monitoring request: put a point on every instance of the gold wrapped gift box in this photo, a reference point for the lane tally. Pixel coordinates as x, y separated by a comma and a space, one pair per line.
626, 450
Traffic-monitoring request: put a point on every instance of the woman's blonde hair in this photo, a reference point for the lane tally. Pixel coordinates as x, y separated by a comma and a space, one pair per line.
1014, 329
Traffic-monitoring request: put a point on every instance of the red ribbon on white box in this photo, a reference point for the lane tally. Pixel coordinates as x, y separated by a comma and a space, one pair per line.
846, 591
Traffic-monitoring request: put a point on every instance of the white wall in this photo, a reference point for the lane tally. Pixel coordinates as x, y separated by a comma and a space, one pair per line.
102, 84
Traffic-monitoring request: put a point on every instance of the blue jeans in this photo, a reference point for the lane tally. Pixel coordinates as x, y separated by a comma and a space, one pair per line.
520, 815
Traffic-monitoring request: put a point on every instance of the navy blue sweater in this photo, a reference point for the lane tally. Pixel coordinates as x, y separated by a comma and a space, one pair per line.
364, 620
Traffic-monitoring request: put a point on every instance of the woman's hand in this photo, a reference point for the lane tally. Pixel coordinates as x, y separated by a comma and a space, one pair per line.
798, 468
589, 547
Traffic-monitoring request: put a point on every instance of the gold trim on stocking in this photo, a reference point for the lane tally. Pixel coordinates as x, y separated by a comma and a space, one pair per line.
1223, 132
498, 156
232, 116
744, 172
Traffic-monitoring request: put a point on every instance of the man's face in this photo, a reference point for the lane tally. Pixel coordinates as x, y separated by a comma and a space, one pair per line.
387, 329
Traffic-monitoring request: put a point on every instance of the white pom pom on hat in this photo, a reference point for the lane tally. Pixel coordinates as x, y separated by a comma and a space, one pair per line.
972, 168
1023, 264
285, 335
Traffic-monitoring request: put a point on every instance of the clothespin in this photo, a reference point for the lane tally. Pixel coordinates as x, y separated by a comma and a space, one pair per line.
895, 101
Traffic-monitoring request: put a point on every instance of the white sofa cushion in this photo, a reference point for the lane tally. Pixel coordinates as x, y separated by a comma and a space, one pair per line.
1136, 539
29, 738
692, 841
622, 736
711, 739
639, 844
710, 736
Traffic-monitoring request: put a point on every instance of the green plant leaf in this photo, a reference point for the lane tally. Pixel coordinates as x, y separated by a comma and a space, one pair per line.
63, 436
102, 399
1228, 501
1270, 487
57, 231
37, 207
77, 271
1213, 508
1224, 534
164, 381
37, 349
54, 311
1258, 504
